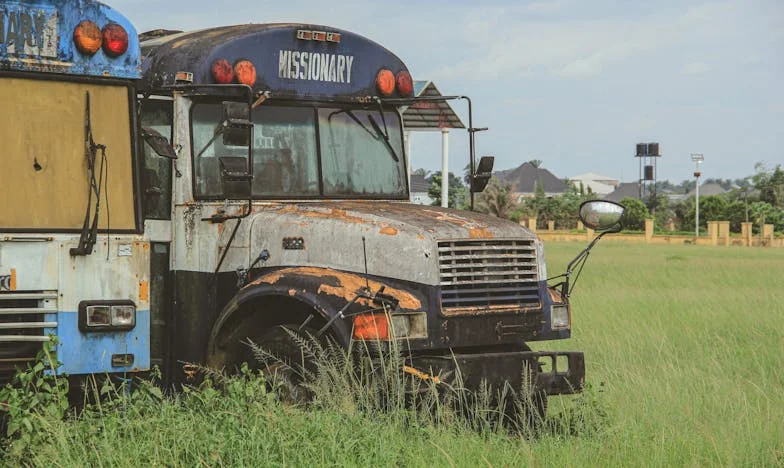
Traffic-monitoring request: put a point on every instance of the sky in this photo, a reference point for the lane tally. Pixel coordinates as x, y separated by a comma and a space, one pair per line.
573, 83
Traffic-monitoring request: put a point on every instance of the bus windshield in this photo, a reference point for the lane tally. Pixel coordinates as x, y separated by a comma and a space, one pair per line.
307, 152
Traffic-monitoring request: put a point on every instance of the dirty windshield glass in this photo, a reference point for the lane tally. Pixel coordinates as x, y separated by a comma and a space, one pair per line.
356, 159
361, 152
284, 151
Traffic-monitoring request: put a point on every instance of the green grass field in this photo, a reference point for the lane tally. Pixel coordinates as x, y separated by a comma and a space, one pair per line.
683, 347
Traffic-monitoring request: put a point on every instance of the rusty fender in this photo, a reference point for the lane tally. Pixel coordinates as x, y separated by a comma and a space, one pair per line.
325, 290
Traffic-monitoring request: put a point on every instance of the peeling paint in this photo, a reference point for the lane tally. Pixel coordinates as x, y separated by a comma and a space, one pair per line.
388, 231
345, 285
144, 291
480, 233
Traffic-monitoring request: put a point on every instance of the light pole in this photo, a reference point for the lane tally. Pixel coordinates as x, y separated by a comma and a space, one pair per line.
697, 158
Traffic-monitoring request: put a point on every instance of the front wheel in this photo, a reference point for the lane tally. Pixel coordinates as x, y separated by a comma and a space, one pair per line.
281, 357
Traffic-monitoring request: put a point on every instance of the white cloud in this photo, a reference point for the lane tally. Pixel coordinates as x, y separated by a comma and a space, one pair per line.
503, 42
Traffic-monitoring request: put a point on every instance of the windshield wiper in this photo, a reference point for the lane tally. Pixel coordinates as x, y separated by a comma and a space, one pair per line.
353, 116
384, 136
89, 233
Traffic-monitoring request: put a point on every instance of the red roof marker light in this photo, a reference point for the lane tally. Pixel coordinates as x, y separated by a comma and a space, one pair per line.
405, 85
115, 40
222, 71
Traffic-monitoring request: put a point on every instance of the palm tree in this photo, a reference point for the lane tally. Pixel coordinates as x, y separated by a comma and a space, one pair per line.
496, 199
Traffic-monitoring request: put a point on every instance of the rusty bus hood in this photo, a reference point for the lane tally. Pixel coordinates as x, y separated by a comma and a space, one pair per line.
401, 239
392, 218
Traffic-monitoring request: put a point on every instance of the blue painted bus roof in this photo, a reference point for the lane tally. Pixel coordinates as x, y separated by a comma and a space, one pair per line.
276, 53
45, 28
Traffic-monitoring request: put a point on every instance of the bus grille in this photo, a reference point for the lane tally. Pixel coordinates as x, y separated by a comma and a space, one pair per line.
488, 276
24, 316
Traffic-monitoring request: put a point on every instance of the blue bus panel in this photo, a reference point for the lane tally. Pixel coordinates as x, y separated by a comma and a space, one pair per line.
41, 36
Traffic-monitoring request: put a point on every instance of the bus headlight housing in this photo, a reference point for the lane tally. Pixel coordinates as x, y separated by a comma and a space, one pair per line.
106, 316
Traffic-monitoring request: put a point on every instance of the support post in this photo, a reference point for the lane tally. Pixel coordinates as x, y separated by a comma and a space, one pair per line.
745, 233
724, 232
713, 232
767, 233
444, 167
407, 139
648, 230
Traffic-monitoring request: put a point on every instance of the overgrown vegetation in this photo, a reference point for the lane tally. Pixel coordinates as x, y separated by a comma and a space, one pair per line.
684, 366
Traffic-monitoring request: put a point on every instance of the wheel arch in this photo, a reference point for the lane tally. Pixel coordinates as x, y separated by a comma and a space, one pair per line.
261, 306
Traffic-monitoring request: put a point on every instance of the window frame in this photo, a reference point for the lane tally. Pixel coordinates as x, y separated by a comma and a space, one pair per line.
314, 106
134, 149
143, 154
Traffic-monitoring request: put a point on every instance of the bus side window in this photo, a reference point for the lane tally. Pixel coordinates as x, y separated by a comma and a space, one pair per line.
156, 176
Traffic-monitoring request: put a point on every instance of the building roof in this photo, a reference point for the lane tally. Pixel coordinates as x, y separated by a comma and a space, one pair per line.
624, 189
429, 115
593, 176
707, 189
595, 186
418, 183
524, 178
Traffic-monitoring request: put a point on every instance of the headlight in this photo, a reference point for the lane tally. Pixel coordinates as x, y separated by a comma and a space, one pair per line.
95, 316
123, 316
378, 326
559, 317
99, 316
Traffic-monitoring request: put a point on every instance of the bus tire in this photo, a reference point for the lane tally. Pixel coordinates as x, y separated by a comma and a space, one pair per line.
284, 363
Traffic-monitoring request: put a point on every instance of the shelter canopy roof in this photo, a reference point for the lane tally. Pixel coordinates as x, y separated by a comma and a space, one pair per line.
430, 115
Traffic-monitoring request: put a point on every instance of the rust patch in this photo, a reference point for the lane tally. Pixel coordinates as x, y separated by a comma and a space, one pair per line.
480, 233
144, 291
292, 292
388, 231
420, 237
332, 213
345, 285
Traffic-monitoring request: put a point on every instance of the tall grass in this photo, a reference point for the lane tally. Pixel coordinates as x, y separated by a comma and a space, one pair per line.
683, 346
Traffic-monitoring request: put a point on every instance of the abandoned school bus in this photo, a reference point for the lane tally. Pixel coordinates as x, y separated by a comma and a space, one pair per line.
259, 188
74, 260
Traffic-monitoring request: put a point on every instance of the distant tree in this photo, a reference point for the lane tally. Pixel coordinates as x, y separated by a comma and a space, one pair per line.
684, 214
457, 191
713, 208
421, 171
770, 183
496, 199
760, 211
735, 214
635, 214
537, 163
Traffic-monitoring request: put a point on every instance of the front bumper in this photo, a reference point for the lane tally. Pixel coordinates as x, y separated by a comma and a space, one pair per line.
537, 368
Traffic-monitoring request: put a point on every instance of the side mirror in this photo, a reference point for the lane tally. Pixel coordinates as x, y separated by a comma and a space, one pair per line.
236, 124
601, 215
483, 174
158, 143
235, 178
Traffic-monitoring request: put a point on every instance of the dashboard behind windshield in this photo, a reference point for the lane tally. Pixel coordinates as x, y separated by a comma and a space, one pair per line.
306, 152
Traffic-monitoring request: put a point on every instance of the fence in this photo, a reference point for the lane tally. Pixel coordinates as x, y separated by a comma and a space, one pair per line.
718, 234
